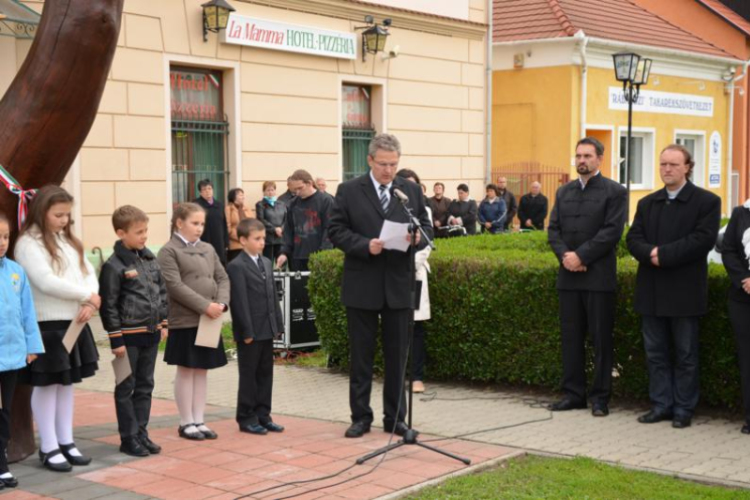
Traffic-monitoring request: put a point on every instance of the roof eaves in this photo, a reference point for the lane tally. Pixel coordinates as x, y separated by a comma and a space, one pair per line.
744, 29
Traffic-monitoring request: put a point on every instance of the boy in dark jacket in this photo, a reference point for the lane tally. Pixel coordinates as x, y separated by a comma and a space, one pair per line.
256, 320
134, 314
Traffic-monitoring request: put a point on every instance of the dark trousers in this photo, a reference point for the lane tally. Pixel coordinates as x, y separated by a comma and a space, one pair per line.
255, 362
133, 395
672, 355
272, 252
7, 388
585, 313
363, 329
419, 351
739, 315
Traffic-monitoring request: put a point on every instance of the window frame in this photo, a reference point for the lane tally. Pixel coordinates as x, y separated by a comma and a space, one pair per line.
648, 159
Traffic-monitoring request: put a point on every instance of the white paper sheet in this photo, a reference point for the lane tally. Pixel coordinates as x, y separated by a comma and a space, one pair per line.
74, 331
122, 368
394, 235
209, 332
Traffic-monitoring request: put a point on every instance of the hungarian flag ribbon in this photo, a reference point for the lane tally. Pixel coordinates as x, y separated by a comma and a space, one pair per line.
24, 195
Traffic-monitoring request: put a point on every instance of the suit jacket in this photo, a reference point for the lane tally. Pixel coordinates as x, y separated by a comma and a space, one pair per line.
256, 313
684, 230
373, 282
589, 222
733, 253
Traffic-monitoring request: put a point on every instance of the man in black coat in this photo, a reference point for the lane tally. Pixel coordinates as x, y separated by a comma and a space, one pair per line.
510, 201
377, 282
673, 232
584, 230
216, 232
532, 210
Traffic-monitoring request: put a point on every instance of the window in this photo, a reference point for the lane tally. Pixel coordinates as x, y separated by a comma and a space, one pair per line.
695, 143
641, 159
357, 128
199, 133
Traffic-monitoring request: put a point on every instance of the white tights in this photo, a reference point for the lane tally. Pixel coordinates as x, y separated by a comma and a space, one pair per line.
52, 406
190, 394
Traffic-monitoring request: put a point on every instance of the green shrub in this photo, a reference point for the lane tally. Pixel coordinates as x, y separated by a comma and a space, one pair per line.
495, 318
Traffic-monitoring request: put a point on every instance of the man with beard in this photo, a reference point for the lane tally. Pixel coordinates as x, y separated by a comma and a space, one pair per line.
584, 230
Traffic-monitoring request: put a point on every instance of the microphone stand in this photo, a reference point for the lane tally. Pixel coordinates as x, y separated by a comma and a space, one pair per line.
410, 436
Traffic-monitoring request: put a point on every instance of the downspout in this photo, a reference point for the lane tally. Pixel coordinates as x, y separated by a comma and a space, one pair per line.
730, 136
584, 80
488, 98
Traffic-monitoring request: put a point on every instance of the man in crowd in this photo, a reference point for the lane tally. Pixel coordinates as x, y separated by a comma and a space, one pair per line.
584, 230
510, 201
532, 210
216, 232
307, 220
673, 231
321, 184
463, 211
376, 285
289, 195
439, 205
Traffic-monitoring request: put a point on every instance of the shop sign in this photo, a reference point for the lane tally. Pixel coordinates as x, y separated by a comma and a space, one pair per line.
253, 32
714, 160
651, 101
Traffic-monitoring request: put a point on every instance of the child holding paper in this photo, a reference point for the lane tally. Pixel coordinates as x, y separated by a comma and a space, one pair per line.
19, 338
65, 289
197, 285
256, 320
134, 314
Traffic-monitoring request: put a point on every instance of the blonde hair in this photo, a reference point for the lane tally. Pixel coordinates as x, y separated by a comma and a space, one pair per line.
183, 211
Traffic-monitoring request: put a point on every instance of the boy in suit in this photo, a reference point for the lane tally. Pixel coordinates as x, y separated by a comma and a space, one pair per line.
256, 319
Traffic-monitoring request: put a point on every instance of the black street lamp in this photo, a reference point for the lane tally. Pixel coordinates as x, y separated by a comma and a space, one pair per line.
373, 36
633, 71
215, 16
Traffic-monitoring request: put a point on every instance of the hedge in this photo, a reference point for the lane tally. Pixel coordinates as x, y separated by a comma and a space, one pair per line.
495, 318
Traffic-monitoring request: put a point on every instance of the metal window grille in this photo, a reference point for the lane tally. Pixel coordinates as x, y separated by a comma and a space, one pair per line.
199, 151
356, 142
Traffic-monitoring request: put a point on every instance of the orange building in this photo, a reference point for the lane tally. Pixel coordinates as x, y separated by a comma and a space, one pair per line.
716, 23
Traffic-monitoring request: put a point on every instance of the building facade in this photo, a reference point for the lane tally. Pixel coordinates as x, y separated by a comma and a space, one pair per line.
284, 87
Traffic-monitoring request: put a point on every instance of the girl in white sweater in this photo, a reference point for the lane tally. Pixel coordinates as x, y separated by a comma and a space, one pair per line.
65, 287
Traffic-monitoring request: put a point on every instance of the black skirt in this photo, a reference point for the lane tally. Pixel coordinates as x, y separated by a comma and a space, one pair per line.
182, 351
56, 366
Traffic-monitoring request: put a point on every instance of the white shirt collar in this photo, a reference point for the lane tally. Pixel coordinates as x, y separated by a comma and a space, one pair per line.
583, 184
673, 194
377, 186
185, 241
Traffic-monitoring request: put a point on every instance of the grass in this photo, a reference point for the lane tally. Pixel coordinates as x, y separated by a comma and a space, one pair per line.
534, 477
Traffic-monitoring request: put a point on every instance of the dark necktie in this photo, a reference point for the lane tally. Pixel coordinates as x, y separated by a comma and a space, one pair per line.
384, 197
260, 267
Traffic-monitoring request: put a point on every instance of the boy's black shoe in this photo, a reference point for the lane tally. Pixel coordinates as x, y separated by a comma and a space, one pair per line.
133, 447
357, 429
152, 447
8, 482
254, 429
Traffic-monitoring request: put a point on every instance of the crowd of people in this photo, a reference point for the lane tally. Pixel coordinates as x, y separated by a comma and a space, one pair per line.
221, 259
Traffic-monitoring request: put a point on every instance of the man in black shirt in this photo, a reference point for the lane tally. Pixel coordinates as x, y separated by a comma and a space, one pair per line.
216, 232
289, 195
307, 219
510, 201
463, 211
533, 208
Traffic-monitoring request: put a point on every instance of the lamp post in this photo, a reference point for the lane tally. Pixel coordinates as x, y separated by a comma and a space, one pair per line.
374, 36
633, 71
215, 16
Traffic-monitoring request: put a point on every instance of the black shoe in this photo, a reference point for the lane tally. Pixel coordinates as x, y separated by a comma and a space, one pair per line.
681, 422
745, 429
77, 461
254, 429
133, 447
153, 448
195, 435
208, 434
8, 482
273, 427
357, 430
655, 416
61, 467
399, 429
599, 409
567, 404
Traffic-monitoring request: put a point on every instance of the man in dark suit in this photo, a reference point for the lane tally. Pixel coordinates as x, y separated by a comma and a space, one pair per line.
532, 210
216, 232
377, 282
673, 232
584, 230
256, 320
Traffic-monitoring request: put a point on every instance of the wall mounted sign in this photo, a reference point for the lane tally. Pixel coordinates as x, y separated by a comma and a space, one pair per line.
651, 101
714, 160
254, 32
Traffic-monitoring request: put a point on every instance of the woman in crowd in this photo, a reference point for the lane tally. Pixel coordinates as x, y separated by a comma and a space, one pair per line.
235, 212
272, 213
492, 211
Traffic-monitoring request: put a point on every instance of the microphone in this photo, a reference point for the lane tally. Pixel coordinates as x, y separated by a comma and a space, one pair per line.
401, 196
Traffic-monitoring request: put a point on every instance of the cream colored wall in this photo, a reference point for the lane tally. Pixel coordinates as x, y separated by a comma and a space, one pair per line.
288, 106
